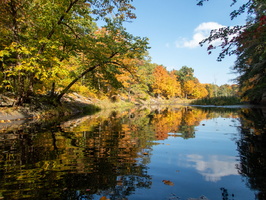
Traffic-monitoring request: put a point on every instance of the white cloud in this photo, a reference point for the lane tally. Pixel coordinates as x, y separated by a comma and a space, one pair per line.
200, 33
208, 26
213, 167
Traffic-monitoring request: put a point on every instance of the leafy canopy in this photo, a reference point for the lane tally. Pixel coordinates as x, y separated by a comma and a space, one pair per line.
248, 43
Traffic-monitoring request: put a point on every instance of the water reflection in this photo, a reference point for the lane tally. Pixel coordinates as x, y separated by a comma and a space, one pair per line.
110, 154
213, 167
252, 149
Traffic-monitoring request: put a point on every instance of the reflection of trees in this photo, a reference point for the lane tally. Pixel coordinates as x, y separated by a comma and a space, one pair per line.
117, 185
226, 195
99, 155
182, 121
56, 163
191, 118
252, 149
165, 121
224, 112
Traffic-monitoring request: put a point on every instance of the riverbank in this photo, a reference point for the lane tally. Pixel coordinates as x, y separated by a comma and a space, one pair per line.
74, 104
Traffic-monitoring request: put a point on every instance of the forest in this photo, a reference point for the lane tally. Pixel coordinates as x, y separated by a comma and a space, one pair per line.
51, 48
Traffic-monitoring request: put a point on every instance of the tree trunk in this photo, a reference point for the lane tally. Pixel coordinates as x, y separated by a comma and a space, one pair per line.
64, 91
53, 89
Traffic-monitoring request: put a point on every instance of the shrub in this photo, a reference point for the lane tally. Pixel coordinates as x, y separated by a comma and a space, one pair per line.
218, 101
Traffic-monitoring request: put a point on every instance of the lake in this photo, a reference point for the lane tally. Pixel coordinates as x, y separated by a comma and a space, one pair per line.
165, 153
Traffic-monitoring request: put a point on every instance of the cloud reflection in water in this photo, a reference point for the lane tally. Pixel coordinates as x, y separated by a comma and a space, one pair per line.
212, 167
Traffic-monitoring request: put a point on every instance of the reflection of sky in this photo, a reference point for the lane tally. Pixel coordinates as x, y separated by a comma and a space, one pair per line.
212, 167
198, 166
212, 153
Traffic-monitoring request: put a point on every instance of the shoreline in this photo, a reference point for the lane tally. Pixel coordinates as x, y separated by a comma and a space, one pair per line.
75, 104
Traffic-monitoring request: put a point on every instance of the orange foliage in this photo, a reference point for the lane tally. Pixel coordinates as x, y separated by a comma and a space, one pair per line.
166, 122
165, 83
194, 89
193, 117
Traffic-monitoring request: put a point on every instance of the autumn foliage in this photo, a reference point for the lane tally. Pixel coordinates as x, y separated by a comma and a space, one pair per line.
48, 54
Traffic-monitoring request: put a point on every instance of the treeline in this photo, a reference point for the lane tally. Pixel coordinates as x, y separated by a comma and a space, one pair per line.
152, 80
49, 48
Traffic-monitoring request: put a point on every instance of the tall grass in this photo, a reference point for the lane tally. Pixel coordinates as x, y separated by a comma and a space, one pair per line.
218, 101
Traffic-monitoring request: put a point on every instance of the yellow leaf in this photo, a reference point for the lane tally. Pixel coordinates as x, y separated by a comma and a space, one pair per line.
167, 182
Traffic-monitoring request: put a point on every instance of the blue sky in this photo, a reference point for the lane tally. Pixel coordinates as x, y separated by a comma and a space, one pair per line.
174, 28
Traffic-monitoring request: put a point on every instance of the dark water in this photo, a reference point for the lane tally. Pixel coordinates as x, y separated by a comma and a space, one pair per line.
183, 153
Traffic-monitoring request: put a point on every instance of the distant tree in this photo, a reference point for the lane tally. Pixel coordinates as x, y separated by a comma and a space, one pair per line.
200, 91
185, 76
175, 86
160, 81
193, 89
165, 83
227, 90
142, 88
212, 90
188, 88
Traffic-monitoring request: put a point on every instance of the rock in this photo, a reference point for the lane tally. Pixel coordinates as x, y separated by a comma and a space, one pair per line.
6, 101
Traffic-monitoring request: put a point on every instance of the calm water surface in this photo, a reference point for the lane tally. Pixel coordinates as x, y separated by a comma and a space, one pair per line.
184, 153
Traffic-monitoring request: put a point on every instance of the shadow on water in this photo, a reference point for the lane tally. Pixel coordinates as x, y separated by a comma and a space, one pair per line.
252, 149
107, 155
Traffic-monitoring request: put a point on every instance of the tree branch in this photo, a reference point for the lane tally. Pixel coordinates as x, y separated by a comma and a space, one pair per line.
73, 31
65, 90
60, 20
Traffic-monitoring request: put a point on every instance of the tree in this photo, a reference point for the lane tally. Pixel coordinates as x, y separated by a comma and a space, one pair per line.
212, 90
107, 51
174, 85
185, 76
165, 83
200, 91
160, 81
185, 73
188, 88
193, 89
39, 36
248, 43
227, 90
145, 79
138, 85
251, 61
